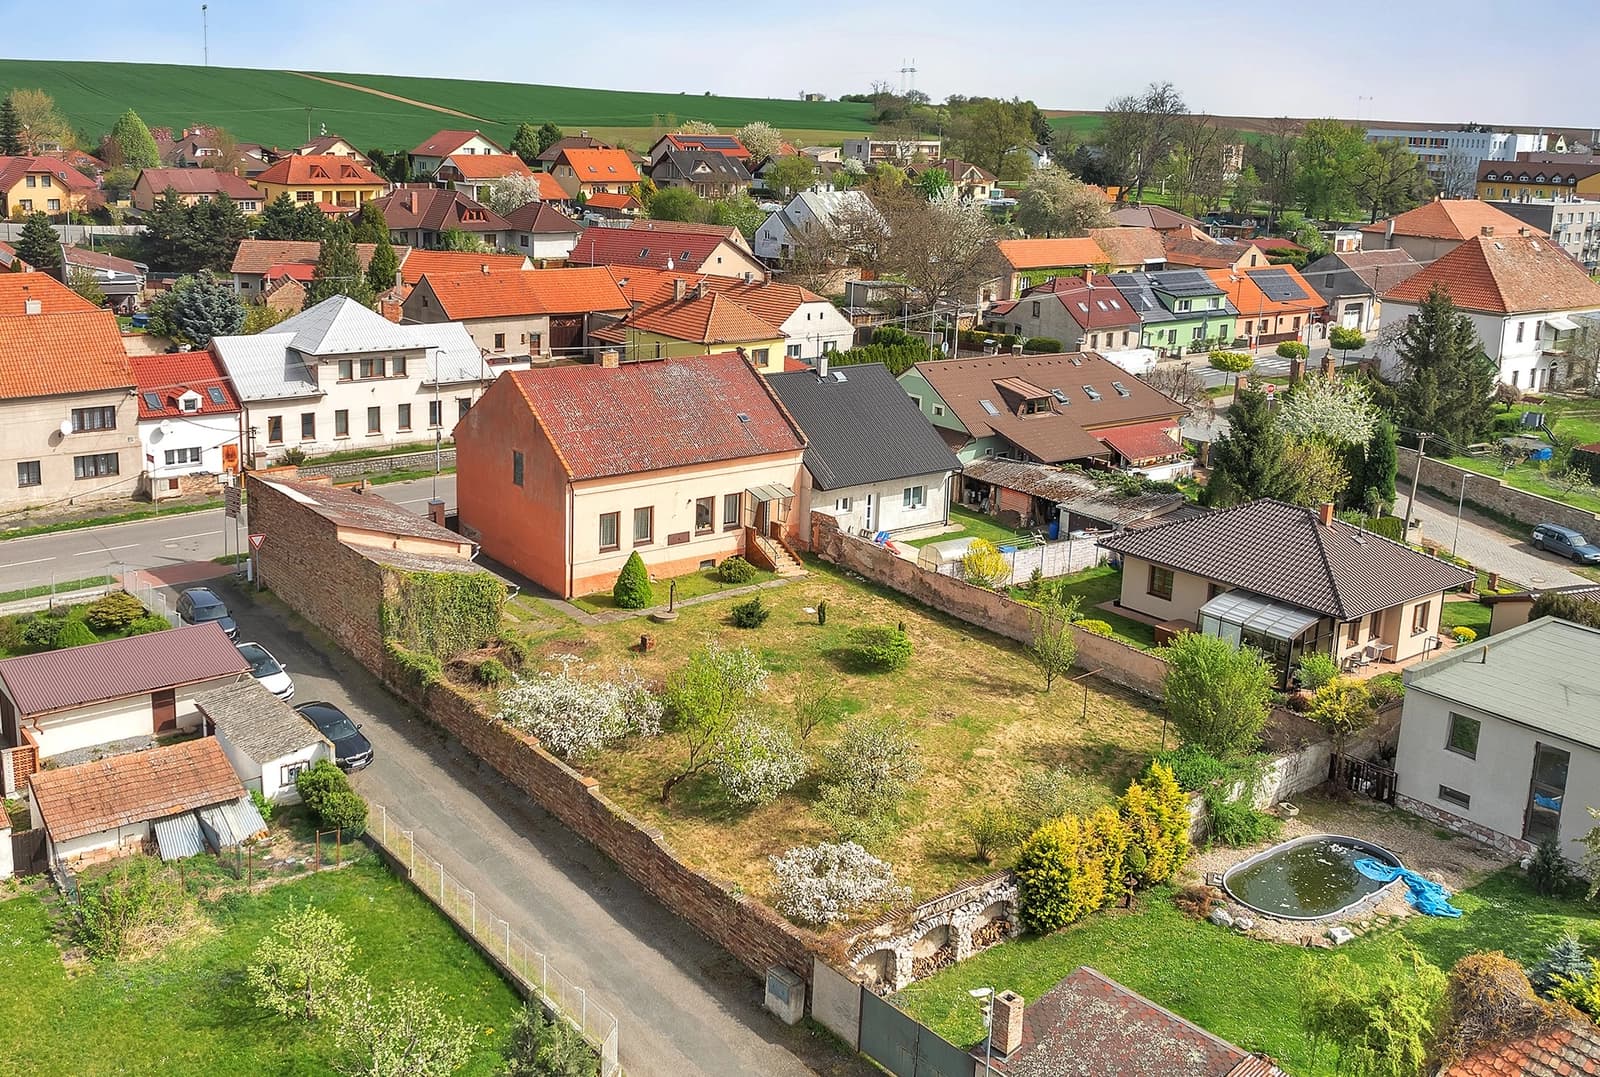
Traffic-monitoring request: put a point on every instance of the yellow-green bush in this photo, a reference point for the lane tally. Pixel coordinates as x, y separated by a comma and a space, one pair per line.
1157, 815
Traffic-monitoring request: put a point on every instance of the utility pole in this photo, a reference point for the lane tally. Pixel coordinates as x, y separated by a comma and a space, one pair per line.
1416, 479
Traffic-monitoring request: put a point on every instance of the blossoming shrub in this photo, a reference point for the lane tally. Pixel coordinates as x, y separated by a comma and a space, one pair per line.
757, 762
572, 716
824, 883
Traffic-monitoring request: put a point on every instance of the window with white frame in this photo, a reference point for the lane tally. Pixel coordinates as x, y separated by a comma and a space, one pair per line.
914, 497
175, 457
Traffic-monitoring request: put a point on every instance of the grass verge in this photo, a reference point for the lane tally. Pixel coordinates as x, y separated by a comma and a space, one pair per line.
690, 585
100, 521
971, 524
64, 587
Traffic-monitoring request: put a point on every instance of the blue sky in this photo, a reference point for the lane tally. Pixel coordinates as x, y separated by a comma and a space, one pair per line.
1389, 59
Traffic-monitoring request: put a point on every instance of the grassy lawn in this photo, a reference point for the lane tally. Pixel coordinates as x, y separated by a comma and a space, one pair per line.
973, 701
1104, 584
188, 1010
371, 454
1526, 476
974, 525
63, 587
690, 585
1239, 988
1465, 615
25, 530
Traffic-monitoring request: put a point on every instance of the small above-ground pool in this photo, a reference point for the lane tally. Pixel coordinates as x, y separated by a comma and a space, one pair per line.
1308, 878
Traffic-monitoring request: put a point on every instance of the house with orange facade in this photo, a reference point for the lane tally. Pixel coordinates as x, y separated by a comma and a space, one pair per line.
563, 472
592, 172
1275, 303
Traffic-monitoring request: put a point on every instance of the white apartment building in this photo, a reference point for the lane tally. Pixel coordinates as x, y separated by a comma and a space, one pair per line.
1451, 157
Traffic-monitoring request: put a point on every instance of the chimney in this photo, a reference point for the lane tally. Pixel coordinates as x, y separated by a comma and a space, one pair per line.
822, 365
436, 510
1486, 231
484, 268
1006, 1035
678, 287
1523, 231
610, 359
1325, 513
32, 306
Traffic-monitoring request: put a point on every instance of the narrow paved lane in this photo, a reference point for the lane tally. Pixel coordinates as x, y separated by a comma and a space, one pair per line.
1489, 546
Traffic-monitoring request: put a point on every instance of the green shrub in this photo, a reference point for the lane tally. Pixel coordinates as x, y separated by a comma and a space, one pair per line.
1390, 527
632, 591
10, 634
344, 810
1317, 670
325, 791
991, 826
750, 614
1042, 346
1548, 870
1070, 867
114, 612
40, 632
736, 569
75, 634
1237, 822
292, 457
145, 625
132, 911
264, 807
543, 1046
1157, 813
1386, 688
513, 649
318, 781
415, 669
881, 648
1192, 766
1463, 634
1292, 349
1094, 625
490, 672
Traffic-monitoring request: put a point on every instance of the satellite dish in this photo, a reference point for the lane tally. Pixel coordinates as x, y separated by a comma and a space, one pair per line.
66, 427
166, 426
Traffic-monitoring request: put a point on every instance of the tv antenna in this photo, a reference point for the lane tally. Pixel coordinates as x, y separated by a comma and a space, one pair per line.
908, 76
205, 37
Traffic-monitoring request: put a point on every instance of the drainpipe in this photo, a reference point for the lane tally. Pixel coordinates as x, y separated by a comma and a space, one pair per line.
571, 524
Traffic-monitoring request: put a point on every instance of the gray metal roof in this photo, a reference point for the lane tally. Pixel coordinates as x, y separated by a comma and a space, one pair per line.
265, 367
340, 326
460, 360
1539, 675
179, 836
1283, 552
229, 823
861, 427
256, 722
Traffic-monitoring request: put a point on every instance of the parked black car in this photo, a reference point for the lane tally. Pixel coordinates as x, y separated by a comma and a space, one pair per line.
351, 749
198, 605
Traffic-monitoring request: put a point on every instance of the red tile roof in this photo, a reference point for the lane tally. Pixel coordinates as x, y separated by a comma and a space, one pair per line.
579, 290
435, 209
170, 376
13, 169
601, 166
611, 421
418, 264
1246, 294
1510, 274
1052, 253
1449, 218
135, 787
687, 251
69, 347
1092, 305
1569, 1051
207, 181
727, 145
1184, 251
487, 166
1137, 247
311, 169
1142, 441
444, 143
617, 202
550, 189
119, 668
701, 317
542, 218
256, 256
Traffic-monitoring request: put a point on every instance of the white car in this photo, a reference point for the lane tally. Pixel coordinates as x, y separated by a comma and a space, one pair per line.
268, 670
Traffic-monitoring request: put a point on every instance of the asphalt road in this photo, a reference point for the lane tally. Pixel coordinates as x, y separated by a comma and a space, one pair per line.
1490, 546
684, 1005
153, 543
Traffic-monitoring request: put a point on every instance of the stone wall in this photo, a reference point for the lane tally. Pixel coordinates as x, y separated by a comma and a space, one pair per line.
198, 484
907, 945
380, 465
1488, 493
1505, 843
1110, 660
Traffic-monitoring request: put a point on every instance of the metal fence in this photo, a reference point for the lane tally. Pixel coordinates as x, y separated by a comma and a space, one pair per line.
154, 601
516, 955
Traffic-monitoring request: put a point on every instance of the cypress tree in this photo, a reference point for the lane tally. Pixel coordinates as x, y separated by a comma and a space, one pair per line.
383, 266
1247, 462
370, 226
277, 219
10, 129
134, 141
525, 143
339, 269
1447, 383
39, 245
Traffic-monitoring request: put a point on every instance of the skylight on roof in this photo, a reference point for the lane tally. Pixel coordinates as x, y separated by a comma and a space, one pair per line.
1122, 390
988, 405
1084, 307
1101, 303
1091, 392
1060, 396
152, 401
215, 393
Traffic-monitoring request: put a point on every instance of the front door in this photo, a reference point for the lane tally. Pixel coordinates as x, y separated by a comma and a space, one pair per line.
1545, 793
164, 707
867, 515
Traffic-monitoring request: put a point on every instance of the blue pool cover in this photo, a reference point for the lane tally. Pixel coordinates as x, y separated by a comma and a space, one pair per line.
1424, 896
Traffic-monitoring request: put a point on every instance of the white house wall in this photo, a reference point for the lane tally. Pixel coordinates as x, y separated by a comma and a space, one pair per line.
1522, 363
815, 328
208, 433
114, 720
888, 503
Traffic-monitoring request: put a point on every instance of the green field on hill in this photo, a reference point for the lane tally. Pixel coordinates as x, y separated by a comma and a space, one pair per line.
271, 106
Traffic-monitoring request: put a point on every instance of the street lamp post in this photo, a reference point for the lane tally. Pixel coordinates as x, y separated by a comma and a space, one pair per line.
985, 996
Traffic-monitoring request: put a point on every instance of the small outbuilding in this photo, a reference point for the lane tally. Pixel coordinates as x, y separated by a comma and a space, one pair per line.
267, 741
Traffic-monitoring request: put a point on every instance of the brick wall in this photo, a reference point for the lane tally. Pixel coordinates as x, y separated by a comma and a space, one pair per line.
1139, 671
1489, 493
322, 579
377, 465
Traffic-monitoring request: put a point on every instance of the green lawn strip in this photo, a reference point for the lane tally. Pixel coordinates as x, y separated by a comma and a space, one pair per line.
1102, 583
99, 521
1241, 989
187, 1011
384, 478
61, 588
1526, 477
974, 525
690, 585
1465, 615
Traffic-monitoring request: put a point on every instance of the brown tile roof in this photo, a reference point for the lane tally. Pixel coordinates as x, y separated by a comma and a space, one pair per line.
347, 507
687, 251
77, 256
612, 201
119, 668
1283, 552
1160, 218
69, 347
1139, 442
774, 302
1360, 272
1569, 1051
702, 318
487, 166
257, 256
1136, 247
1023, 254
12, 169
170, 376
541, 217
436, 209
305, 168
578, 290
419, 263
1067, 431
207, 181
1091, 1026
444, 143
1092, 305
1448, 218
1539, 168
134, 788
1267, 290
1510, 274
600, 166
664, 413
1184, 252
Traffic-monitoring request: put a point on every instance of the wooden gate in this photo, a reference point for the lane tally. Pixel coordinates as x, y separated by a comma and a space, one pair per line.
28, 856
566, 335
1361, 776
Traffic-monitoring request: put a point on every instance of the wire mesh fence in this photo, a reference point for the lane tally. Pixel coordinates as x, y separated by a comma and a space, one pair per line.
495, 935
156, 602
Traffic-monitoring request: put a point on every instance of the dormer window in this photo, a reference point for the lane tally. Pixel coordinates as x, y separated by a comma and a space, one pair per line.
189, 402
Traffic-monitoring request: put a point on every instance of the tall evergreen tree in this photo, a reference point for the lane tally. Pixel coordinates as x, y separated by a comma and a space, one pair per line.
196, 309
549, 135
10, 129
134, 142
1248, 462
168, 242
1447, 382
281, 218
39, 245
370, 225
383, 266
339, 269
217, 227
1373, 479
525, 143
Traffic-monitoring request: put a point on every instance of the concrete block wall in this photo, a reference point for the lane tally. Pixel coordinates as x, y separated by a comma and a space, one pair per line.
1489, 493
376, 465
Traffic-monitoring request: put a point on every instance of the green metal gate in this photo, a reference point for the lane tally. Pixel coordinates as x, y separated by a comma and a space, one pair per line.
905, 1048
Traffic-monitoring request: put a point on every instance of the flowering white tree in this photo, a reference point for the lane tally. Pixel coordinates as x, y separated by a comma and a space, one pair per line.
697, 127
572, 716
704, 697
761, 139
823, 883
756, 763
1339, 411
512, 193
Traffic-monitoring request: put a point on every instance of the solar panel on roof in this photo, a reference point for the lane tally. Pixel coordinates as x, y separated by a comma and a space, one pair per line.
1277, 285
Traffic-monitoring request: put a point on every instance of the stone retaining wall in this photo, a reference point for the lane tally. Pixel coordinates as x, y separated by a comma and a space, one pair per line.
1489, 493
380, 465
885, 952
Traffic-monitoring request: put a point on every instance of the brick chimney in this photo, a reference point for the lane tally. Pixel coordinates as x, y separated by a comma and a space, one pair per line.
1325, 513
1007, 1030
679, 286
610, 359
436, 510
483, 267
1486, 231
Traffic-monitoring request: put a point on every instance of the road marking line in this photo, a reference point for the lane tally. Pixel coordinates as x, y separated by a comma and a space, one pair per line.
108, 549
19, 564
181, 538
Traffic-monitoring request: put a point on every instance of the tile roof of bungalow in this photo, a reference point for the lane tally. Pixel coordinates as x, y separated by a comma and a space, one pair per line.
615, 202
1184, 252
550, 190
1160, 218
206, 181
1068, 253
1267, 290
416, 264
1449, 218
1138, 247
348, 507
726, 145
77, 256
134, 787
861, 427
444, 143
541, 218
163, 379
600, 166
1570, 1049
1360, 272
1285, 552
610, 421
576, 290
34, 347
55, 681
435, 209
325, 168
699, 316
488, 166
651, 249
257, 256
1505, 274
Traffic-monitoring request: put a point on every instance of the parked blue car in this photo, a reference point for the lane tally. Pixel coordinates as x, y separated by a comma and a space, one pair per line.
1566, 542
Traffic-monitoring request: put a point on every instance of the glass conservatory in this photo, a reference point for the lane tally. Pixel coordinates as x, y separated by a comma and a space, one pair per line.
1281, 632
